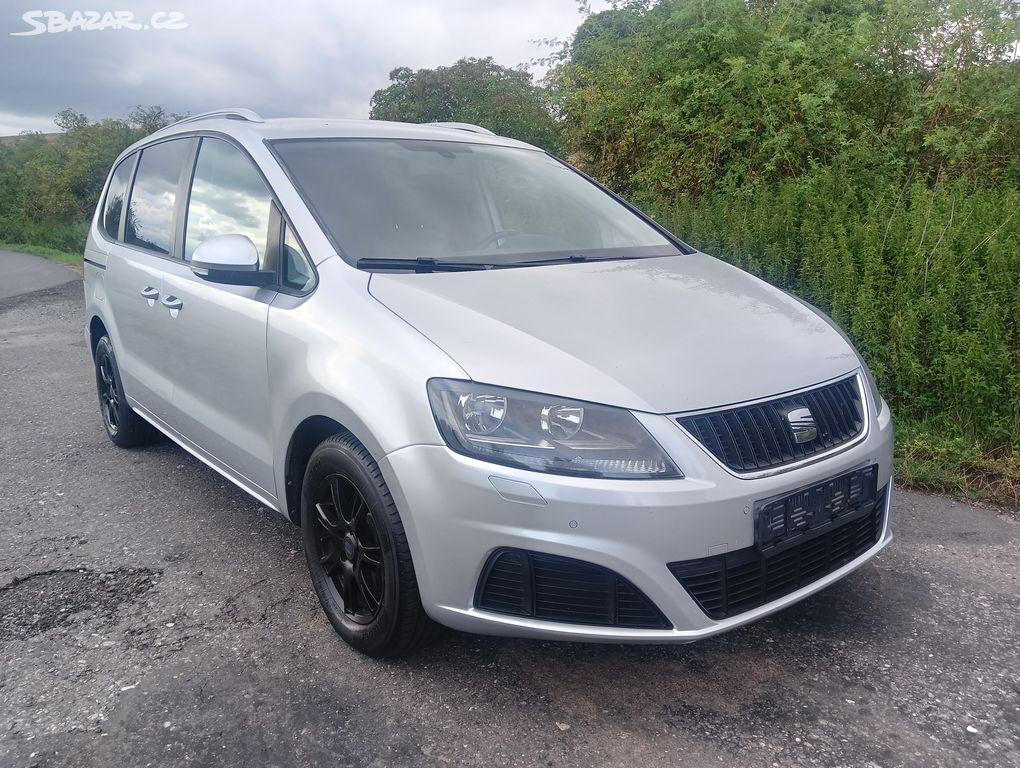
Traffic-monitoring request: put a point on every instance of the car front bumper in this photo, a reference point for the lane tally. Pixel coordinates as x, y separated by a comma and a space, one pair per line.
457, 511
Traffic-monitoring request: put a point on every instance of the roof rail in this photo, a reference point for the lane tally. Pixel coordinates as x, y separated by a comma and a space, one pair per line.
232, 113
463, 127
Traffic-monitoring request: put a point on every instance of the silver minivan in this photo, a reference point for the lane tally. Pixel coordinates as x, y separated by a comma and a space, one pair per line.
494, 396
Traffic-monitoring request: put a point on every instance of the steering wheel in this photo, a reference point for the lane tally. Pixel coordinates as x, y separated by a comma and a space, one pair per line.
495, 236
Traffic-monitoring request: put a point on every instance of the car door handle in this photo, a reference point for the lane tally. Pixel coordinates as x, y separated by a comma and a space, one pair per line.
150, 294
172, 303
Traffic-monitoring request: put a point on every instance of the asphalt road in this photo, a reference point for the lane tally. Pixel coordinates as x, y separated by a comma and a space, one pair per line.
22, 273
152, 614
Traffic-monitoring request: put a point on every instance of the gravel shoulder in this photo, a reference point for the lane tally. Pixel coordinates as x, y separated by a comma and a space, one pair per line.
151, 613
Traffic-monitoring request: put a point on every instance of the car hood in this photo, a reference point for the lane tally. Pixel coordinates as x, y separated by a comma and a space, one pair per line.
659, 335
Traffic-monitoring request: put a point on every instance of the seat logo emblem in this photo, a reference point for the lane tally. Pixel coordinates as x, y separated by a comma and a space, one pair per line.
802, 424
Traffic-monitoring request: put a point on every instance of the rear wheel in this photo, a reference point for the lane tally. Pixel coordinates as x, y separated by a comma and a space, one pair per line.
358, 554
125, 428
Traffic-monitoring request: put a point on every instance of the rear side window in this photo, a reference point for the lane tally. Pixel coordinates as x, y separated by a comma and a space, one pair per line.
116, 195
228, 197
150, 222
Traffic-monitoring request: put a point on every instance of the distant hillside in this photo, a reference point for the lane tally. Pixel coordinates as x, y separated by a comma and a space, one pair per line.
8, 140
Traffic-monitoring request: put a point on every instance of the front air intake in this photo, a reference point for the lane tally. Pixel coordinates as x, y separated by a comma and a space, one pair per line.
732, 583
553, 588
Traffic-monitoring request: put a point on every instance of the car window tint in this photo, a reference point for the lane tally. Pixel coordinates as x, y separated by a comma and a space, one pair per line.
115, 197
393, 200
297, 269
416, 198
150, 222
228, 197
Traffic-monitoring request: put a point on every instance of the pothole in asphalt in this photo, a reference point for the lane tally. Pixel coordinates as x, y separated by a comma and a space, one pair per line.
36, 603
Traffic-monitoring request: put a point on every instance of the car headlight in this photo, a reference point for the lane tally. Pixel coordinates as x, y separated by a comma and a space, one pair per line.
545, 433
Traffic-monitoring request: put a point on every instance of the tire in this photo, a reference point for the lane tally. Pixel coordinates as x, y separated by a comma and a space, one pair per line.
125, 428
357, 552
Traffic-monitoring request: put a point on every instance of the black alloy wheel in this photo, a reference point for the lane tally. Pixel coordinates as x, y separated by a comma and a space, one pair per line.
109, 400
125, 428
357, 552
349, 549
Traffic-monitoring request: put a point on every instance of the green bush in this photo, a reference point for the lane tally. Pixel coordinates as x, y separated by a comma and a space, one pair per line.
50, 183
66, 236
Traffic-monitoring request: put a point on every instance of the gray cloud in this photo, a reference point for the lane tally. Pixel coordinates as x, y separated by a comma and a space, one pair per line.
301, 57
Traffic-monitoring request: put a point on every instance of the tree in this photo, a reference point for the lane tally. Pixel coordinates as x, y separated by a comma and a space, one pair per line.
479, 91
70, 120
684, 96
150, 118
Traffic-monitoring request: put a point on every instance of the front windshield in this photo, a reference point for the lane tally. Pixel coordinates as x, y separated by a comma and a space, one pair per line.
458, 201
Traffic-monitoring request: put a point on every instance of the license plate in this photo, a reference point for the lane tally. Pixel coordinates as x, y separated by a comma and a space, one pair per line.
792, 518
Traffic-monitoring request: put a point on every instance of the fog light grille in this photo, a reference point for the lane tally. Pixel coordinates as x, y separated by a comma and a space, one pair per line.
553, 588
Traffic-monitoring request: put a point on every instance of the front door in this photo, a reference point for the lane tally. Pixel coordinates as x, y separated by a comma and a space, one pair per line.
216, 335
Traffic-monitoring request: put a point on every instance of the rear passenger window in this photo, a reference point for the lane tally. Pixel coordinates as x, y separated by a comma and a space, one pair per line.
116, 195
150, 222
228, 197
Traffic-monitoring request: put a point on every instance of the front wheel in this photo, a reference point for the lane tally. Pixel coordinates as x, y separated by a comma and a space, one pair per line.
357, 552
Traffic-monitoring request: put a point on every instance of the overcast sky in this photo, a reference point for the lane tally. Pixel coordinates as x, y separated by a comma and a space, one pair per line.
287, 57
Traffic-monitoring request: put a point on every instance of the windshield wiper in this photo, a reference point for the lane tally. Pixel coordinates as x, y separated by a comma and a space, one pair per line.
421, 265
574, 258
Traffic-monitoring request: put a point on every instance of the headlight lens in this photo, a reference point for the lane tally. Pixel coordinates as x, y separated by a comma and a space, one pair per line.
482, 414
545, 433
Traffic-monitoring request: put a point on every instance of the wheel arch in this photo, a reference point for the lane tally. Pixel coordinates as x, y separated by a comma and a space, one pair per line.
97, 329
327, 420
303, 441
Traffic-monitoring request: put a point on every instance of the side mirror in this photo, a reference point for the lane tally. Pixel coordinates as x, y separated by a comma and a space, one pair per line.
229, 259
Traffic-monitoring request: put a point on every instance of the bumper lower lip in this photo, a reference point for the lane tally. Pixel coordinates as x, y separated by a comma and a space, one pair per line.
455, 516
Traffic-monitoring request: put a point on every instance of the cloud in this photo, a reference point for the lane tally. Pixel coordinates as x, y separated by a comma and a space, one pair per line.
300, 57
12, 124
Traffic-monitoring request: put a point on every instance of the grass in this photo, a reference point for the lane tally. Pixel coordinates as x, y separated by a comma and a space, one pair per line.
934, 457
64, 257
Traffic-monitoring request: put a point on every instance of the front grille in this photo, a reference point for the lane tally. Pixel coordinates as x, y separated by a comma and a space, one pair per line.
556, 588
728, 584
756, 437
